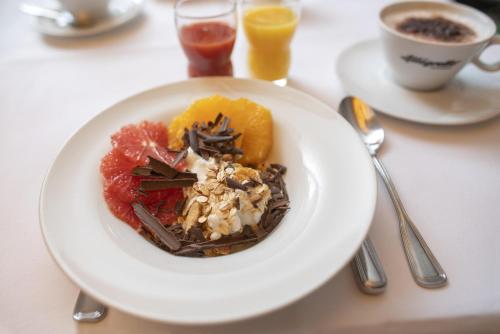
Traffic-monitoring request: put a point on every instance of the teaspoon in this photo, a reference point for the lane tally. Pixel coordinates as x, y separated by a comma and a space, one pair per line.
87, 309
424, 267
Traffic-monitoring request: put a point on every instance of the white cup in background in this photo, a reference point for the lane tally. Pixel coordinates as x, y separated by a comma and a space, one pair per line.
86, 11
426, 64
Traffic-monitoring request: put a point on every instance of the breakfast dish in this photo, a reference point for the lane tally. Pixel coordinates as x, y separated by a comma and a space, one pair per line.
330, 183
203, 195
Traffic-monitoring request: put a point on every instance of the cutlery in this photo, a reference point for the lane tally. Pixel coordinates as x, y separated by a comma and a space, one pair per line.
424, 267
368, 270
87, 309
61, 17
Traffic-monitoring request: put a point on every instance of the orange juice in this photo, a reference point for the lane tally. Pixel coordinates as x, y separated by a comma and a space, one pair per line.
269, 30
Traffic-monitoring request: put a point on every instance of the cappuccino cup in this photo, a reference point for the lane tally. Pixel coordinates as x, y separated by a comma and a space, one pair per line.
427, 43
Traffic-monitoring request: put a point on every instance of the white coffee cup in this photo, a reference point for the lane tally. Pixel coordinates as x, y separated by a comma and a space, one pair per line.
426, 64
86, 11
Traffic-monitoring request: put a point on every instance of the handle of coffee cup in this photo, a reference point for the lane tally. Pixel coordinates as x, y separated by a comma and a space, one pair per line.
485, 66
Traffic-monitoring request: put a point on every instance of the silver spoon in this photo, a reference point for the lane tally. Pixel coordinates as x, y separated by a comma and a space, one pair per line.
87, 309
368, 270
424, 267
60, 17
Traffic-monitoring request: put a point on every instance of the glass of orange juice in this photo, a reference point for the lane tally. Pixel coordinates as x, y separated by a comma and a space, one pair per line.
269, 26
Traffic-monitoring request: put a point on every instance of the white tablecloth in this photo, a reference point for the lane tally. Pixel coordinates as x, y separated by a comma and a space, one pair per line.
449, 178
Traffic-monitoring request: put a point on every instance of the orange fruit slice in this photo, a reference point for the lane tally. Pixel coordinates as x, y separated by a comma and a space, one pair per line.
251, 119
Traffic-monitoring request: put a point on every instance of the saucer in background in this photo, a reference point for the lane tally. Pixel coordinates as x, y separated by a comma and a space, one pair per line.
121, 12
471, 97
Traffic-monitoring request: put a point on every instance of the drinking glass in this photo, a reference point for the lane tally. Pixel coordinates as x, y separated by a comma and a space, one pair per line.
207, 31
269, 26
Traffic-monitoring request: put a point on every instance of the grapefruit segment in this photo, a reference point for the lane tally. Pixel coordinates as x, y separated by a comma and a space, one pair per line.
137, 142
121, 210
116, 170
131, 147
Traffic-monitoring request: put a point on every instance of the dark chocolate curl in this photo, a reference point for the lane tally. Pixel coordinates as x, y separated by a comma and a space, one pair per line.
155, 227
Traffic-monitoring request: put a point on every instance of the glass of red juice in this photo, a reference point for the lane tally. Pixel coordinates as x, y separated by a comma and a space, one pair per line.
207, 31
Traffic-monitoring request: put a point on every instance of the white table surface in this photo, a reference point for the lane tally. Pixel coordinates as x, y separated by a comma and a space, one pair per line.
449, 178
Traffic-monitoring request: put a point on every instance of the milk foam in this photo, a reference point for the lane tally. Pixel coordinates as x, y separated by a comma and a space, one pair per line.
394, 15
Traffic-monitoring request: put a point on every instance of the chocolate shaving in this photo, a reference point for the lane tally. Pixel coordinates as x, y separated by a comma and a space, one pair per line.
260, 232
283, 203
202, 135
247, 231
162, 176
212, 139
254, 182
154, 226
235, 184
196, 234
158, 207
162, 168
180, 156
279, 203
187, 250
217, 119
176, 229
280, 168
186, 175
224, 125
209, 149
205, 155
142, 171
234, 151
217, 139
179, 205
185, 137
193, 140
160, 184
274, 189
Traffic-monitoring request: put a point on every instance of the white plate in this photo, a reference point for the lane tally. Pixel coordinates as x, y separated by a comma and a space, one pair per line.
121, 12
331, 183
471, 97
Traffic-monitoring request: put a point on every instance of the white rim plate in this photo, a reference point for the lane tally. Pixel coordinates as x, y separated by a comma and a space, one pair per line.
332, 187
121, 12
471, 97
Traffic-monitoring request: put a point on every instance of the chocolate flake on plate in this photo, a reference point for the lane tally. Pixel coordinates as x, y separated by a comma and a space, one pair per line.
212, 139
180, 156
179, 206
165, 176
235, 184
142, 171
164, 183
154, 226
162, 168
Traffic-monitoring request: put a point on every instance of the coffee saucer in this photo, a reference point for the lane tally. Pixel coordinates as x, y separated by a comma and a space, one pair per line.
121, 12
471, 97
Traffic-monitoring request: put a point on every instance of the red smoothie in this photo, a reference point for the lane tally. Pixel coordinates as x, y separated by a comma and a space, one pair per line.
208, 46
